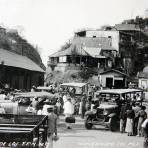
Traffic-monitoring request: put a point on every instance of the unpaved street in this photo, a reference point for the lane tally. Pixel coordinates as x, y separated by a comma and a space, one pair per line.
79, 137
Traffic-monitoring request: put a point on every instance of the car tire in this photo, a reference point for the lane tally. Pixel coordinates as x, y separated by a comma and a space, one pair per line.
88, 125
113, 124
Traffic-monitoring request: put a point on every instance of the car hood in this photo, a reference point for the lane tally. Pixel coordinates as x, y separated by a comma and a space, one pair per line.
107, 106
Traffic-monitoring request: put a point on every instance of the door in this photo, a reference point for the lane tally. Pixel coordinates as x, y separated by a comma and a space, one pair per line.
109, 82
119, 84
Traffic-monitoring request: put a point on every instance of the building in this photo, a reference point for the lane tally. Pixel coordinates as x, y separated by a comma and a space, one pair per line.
19, 71
84, 51
21, 66
113, 79
143, 78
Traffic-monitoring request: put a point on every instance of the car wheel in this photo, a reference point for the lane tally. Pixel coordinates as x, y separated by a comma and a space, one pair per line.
88, 124
113, 126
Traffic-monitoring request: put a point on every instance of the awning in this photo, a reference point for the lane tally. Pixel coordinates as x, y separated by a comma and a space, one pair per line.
15, 60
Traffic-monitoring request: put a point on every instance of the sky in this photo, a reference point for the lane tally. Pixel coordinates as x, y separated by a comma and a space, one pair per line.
48, 24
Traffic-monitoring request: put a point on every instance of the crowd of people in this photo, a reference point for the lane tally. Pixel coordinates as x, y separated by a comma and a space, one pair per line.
132, 115
131, 119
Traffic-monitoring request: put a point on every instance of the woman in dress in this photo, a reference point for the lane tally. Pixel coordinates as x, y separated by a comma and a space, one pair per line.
142, 116
130, 121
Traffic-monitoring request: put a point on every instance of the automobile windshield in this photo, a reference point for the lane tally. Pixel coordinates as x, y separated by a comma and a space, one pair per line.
112, 98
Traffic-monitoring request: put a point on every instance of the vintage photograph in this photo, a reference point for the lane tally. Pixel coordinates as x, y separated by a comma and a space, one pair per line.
73, 73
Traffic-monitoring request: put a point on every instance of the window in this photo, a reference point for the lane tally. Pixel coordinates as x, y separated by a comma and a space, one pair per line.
63, 59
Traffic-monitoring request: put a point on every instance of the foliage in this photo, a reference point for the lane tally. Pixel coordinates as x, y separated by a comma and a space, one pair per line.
65, 46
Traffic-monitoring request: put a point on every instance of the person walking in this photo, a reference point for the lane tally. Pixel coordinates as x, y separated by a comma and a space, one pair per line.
142, 116
68, 111
52, 127
130, 121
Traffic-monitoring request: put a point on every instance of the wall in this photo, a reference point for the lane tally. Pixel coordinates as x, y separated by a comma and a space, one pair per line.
18, 78
143, 83
100, 33
66, 66
113, 75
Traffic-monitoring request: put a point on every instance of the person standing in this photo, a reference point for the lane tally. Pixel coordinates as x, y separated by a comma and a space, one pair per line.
83, 106
35, 103
123, 118
142, 116
52, 127
136, 109
68, 111
130, 121
145, 129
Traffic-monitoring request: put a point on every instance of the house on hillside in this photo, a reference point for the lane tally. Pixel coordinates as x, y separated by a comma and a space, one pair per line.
103, 49
84, 51
123, 39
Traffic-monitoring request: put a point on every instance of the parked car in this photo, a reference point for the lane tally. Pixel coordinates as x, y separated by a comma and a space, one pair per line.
107, 113
80, 88
21, 102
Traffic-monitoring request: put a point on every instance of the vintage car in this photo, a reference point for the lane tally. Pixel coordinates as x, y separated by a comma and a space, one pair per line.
21, 102
108, 111
80, 88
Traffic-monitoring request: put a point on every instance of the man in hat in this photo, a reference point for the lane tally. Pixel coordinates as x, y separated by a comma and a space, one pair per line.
52, 126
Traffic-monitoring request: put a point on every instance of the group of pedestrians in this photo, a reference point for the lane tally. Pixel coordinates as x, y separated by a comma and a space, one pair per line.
131, 119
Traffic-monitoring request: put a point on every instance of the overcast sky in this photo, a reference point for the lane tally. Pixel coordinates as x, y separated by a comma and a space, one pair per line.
50, 23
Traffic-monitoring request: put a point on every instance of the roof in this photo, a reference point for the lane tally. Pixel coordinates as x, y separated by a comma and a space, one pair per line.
35, 94
43, 88
119, 91
94, 52
114, 70
127, 27
98, 42
74, 84
16, 60
72, 50
143, 75
86, 46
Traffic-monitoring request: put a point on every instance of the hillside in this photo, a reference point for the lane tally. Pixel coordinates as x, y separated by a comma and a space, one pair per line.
11, 40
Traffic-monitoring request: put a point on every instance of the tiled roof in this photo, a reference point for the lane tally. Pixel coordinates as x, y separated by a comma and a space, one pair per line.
86, 46
127, 27
15, 60
98, 42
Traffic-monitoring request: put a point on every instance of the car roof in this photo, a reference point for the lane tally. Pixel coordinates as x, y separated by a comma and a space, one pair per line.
74, 84
43, 88
119, 91
35, 94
